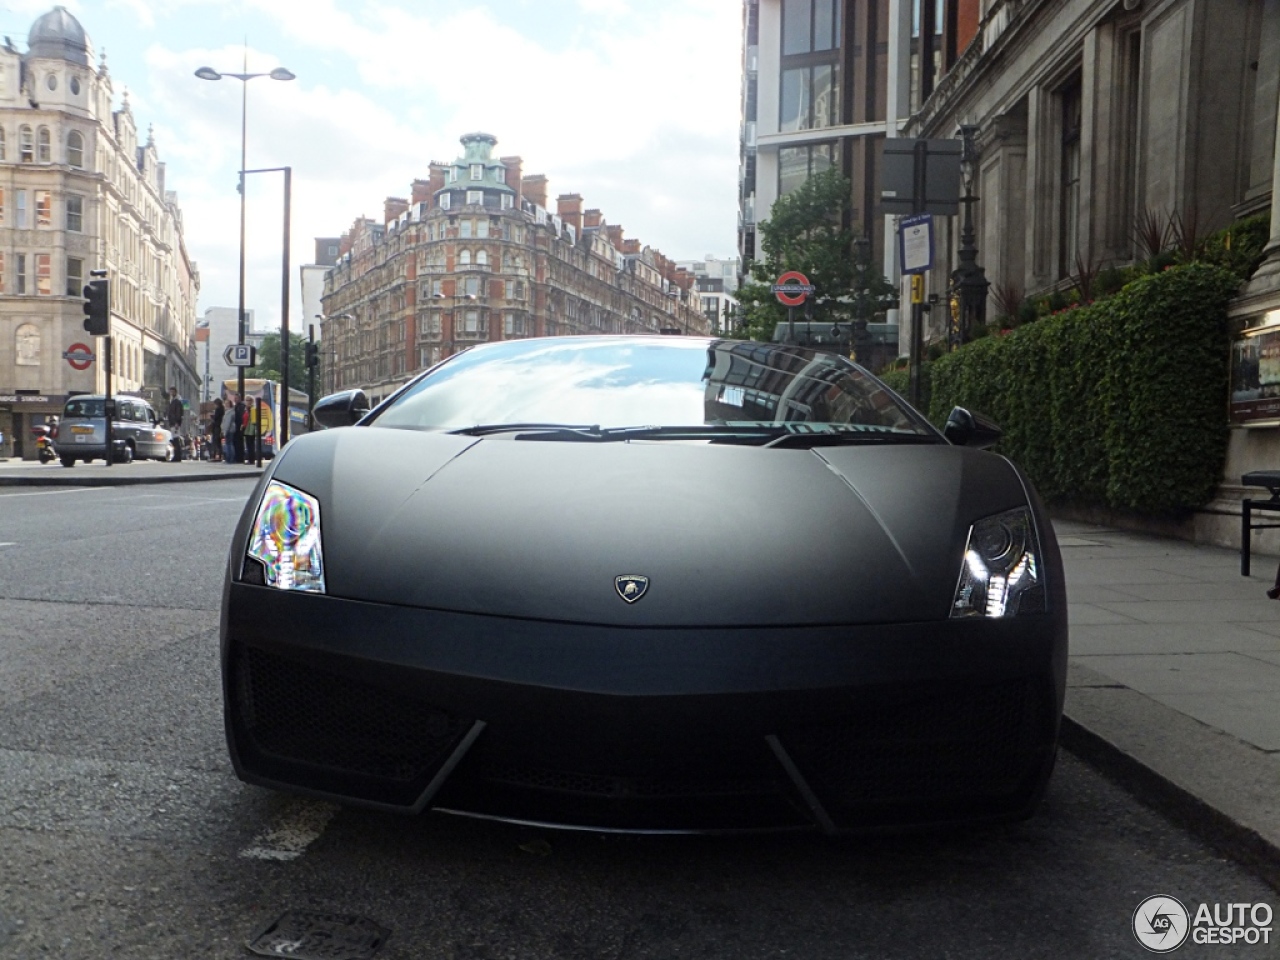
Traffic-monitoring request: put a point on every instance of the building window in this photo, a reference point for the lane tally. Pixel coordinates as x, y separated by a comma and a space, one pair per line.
3, 154
20, 274
482, 229
20, 220
471, 287
798, 164
809, 26
810, 98
75, 277
26, 144
444, 201
482, 258
1, 273
44, 208
464, 258
75, 86
472, 325
437, 288
75, 149
508, 201
475, 197
75, 213
477, 171
464, 229
44, 152
1069, 214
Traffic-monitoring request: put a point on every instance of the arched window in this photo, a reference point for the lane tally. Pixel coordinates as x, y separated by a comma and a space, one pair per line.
75, 149
3, 155
464, 258
26, 144
45, 153
482, 258
27, 345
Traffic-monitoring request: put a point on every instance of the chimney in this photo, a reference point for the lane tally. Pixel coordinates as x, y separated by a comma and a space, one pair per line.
534, 189
514, 167
592, 218
421, 192
614, 233
438, 173
631, 246
569, 209
392, 207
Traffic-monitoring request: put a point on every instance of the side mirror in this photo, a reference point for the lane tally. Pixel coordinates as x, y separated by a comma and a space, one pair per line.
966, 429
341, 409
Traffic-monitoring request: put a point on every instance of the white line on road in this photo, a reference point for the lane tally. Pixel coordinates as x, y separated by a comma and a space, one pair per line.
296, 827
52, 493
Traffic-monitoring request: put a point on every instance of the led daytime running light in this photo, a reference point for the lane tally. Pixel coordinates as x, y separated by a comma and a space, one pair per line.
995, 586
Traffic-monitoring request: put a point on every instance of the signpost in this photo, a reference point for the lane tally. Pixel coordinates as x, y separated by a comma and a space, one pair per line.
240, 355
79, 356
792, 289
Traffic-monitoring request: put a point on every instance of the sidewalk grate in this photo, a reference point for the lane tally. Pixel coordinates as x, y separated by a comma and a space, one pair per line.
313, 935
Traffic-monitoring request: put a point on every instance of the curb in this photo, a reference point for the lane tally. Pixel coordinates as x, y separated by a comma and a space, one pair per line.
119, 478
1205, 781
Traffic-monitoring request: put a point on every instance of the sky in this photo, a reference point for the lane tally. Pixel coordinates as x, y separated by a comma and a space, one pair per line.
632, 103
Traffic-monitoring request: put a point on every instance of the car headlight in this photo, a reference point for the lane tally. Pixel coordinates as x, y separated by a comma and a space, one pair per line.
285, 541
1001, 575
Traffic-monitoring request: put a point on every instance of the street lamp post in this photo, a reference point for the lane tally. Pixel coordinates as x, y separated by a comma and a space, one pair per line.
861, 337
208, 73
969, 278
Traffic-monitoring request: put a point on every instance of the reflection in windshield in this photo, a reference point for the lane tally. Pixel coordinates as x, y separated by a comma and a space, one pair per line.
621, 382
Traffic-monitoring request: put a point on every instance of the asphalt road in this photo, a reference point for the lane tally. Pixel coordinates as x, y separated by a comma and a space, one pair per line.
124, 833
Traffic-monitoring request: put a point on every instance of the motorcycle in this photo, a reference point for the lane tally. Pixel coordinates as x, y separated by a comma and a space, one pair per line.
44, 442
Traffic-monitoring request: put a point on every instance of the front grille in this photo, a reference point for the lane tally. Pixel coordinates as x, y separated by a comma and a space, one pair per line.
620, 787
940, 750
295, 712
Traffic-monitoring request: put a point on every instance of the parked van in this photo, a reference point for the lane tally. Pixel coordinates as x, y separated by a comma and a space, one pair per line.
135, 431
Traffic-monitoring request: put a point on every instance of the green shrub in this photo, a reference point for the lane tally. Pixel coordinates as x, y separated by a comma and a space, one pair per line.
1117, 404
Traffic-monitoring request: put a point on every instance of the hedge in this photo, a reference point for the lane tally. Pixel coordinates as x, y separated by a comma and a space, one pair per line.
1121, 403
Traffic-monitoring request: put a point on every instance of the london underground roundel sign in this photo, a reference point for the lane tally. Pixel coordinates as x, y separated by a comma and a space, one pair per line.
79, 356
792, 288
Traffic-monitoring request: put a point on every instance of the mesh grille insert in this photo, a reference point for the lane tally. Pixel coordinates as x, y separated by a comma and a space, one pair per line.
296, 712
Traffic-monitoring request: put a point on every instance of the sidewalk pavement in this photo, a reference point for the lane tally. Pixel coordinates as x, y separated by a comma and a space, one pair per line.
31, 473
1173, 682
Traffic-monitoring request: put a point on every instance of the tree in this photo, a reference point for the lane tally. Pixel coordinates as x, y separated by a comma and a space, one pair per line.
269, 367
805, 232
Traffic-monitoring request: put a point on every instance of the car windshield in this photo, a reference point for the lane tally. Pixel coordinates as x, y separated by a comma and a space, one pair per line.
649, 382
83, 407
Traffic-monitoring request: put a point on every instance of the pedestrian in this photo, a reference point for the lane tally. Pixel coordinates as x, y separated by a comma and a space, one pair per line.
174, 415
229, 430
215, 430
239, 420
251, 438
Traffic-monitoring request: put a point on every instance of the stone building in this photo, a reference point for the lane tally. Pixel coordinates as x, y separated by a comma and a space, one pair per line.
79, 192
1090, 115
474, 255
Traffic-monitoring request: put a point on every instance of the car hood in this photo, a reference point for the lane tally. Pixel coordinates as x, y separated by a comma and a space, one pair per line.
727, 535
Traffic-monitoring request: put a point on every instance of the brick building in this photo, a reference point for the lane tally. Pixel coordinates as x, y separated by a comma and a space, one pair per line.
473, 255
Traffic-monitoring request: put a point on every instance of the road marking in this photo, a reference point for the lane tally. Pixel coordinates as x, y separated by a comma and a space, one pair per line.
8, 544
294, 829
52, 493
1078, 542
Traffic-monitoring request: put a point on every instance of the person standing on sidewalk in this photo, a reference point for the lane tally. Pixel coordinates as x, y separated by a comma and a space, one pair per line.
174, 416
215, 430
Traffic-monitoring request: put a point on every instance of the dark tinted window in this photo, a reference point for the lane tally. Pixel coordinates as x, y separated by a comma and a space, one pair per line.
80, 407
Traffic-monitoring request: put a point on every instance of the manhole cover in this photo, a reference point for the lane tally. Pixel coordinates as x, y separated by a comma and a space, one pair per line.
310, 935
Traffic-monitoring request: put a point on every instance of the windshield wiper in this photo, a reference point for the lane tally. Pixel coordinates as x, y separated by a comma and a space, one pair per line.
580, 432
847, 438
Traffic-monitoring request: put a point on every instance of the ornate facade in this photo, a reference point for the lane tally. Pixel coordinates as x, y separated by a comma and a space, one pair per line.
475, 256
79, 193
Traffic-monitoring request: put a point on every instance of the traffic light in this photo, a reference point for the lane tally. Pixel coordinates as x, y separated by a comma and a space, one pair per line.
97, 307
313, 353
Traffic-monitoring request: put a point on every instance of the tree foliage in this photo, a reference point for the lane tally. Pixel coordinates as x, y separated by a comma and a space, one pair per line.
805, 232
269, 364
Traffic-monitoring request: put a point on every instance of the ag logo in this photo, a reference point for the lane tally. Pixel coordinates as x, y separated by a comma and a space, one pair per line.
631, 587
1161, 924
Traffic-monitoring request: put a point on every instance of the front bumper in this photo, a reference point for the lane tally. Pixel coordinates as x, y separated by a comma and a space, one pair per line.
859, 727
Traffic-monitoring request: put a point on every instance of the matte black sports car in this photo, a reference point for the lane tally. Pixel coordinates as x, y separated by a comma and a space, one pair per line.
647, 583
